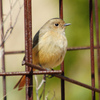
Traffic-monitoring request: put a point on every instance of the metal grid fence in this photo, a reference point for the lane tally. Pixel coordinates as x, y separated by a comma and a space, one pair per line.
28, 53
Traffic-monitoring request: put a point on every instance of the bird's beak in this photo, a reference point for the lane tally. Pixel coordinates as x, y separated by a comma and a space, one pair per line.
67, 24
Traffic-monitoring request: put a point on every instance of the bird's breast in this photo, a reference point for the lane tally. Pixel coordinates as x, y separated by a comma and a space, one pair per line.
50, 50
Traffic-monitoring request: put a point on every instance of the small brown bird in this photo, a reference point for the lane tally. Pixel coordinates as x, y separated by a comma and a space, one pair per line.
49, 46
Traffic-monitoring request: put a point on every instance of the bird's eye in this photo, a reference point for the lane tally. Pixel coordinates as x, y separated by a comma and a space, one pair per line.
56, 24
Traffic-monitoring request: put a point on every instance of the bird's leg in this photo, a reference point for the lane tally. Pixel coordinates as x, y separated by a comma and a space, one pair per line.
50, 76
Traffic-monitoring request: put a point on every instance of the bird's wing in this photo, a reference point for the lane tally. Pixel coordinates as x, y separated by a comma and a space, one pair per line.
36, 39
35, 42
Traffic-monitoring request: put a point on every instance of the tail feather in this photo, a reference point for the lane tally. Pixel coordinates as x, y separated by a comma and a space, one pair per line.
20, 84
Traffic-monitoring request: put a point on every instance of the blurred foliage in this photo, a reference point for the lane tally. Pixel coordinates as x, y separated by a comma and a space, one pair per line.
77, 63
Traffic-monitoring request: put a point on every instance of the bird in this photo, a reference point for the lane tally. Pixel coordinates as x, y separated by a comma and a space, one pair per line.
49, 46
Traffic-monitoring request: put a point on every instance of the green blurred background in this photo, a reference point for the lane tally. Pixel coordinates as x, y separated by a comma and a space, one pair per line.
77, 63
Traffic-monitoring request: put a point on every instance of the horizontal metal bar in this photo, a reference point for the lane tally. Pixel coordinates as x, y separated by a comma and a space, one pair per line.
77, 83
80, 48
55, 73
65, 78
29, 73
14, 52
68, 49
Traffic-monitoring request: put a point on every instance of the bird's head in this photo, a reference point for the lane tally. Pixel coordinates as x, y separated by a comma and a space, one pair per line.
55, 24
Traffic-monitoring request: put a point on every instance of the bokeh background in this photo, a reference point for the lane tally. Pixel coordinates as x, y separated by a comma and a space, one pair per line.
77, 63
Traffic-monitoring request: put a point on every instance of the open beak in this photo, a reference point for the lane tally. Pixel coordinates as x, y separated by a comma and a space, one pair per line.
67, 24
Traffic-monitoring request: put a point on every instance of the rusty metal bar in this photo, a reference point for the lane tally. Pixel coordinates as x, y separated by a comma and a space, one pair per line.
56, 75
14, 52
3, 56
61, 9
28, 53
26, 42
30, 78
92, 48
97, 38
27, 73
62, 65
80, 48
68, 49
77, 83
65, 78
28, 47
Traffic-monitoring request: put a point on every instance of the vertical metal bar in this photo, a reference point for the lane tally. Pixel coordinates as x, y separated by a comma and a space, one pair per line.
30, 78
3, 56
26, 42
62, 83
92, 48
62, 65
97, 37
28, 47
61, 9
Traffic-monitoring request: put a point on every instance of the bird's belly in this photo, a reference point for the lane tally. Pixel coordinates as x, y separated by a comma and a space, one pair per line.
49, 55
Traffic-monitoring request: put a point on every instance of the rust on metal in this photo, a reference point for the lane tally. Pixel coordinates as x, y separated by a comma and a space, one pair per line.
49, 72
56, 73
68, 49
28, 47
92, 48
30, 73
13, 52
62, 64
80, 48
65, 78
97, 38
61, 9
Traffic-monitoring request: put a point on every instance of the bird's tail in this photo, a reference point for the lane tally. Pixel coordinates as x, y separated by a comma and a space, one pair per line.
20, 84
